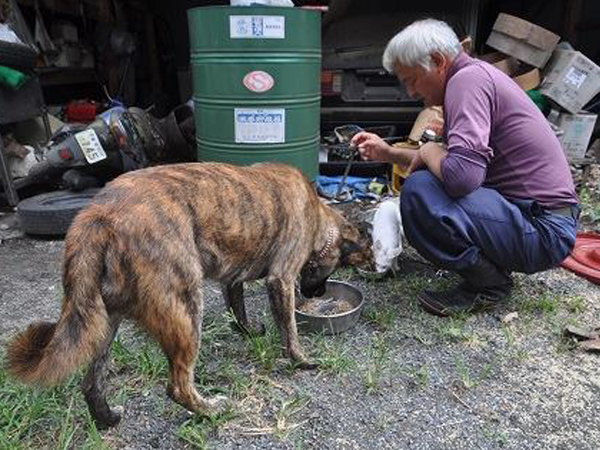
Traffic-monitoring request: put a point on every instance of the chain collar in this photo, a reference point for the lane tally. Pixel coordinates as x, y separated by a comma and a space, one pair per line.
332, 235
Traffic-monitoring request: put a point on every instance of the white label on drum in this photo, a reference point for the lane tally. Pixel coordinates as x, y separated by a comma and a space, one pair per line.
257, 27
259, 125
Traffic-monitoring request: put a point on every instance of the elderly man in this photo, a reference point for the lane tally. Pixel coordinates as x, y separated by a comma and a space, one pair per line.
497, 196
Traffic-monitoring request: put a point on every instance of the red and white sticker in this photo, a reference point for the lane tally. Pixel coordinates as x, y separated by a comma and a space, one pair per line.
258, 81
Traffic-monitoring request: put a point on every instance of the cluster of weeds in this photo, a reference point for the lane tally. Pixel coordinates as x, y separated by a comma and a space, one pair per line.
332, 355
377, 356
51, 418
590, 206
419, 375
468, 378
454, 329
382, 317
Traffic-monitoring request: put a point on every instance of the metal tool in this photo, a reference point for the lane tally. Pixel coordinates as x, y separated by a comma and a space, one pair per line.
345, 133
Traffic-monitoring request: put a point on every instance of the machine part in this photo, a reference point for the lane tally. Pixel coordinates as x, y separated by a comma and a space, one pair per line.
345, 133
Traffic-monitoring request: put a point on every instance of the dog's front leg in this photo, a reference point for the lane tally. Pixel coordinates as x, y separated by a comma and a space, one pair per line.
281, 298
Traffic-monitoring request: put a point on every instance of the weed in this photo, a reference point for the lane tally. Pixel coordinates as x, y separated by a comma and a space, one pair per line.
543, 303
467, 378
575, 304
382, 318
499, 437
52, 418
331, 356
265, 348
193, 432
508, 333
377, 354
196, 429
453, 329
419, 376
590, 208
344, 274
67, 429
146, 361
283, 416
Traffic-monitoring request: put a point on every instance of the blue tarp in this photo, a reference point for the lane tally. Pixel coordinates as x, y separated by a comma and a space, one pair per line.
354, 187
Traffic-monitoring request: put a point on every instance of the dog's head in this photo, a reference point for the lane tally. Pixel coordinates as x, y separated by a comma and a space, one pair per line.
344, 247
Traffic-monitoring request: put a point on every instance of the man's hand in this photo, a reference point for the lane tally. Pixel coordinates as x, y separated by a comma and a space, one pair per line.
429, 155
371, 147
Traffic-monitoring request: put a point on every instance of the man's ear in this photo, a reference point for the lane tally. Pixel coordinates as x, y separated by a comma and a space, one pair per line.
439, 60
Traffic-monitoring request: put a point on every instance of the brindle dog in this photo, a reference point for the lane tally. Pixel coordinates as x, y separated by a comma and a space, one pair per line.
142, 250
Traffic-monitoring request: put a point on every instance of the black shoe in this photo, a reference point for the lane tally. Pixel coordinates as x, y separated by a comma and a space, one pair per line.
461, 300
484, 287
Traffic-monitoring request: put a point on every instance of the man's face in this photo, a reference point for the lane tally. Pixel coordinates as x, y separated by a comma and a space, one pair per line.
422, 84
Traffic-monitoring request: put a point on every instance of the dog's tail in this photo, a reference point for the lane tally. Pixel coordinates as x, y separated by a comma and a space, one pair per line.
46, 353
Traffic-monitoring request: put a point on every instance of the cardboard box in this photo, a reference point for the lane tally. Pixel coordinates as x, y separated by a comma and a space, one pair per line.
523, 40
505, 63
577, 131
525, 76
571, 80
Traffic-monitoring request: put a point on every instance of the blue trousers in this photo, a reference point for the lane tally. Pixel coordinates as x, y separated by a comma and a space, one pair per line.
452, 233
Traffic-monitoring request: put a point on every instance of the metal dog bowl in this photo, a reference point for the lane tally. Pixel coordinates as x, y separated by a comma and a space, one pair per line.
331, 323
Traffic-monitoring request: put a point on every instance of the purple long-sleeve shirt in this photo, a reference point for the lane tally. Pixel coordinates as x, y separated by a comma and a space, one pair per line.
498, 138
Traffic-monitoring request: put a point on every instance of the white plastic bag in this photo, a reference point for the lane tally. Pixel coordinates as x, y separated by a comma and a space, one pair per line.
387, 235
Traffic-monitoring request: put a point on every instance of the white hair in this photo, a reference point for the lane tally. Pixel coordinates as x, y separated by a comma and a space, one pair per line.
414, 45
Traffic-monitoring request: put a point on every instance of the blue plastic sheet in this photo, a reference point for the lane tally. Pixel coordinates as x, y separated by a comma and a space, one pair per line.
355, 188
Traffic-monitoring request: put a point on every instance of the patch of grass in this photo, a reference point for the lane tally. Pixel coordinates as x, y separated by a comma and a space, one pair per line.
54, 418
420, 376
145, 361
284, 416
343, 274
264, 349
193, 434
498, 437
381, 317
590, 206
331, 355
454, 329
544, 303
377, 355
196, 429
409, 286
575, 304
469, 379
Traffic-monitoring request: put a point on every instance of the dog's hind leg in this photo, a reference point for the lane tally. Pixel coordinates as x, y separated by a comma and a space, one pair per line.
176, 322
281, 298
234, 302
93, 384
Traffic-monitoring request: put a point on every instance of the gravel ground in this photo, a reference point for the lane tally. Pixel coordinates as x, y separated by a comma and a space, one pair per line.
411, 381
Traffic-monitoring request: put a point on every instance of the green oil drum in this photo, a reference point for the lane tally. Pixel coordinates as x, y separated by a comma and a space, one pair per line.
256, 77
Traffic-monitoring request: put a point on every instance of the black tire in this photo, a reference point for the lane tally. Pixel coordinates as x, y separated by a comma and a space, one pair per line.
17, 56
51, 214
